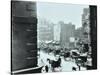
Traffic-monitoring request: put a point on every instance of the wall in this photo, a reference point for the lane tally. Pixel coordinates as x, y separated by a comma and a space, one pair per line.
24, 35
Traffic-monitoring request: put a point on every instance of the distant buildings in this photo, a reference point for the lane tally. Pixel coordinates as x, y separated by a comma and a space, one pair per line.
86, 25
45, 30
60, 32
79, 33
86, 29
57, 31
67, 32
83, 33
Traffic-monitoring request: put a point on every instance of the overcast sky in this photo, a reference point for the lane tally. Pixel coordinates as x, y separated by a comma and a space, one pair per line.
56, 12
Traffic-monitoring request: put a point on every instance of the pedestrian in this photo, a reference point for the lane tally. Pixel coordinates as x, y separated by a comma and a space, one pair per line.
48, 66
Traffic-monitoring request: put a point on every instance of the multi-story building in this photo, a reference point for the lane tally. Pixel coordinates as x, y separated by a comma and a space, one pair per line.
86, 29
24, 35
86, 25
45, 30
67, 32
57, 31
79, 33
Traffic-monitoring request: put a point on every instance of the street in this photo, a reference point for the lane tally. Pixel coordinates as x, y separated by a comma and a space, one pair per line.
66, 65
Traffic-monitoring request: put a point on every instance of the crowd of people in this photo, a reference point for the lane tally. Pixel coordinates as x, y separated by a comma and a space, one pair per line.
74, 54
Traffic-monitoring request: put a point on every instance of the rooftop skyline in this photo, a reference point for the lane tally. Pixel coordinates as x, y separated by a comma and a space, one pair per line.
55, 12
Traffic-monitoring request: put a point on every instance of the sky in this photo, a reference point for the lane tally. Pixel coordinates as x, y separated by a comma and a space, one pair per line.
56, 12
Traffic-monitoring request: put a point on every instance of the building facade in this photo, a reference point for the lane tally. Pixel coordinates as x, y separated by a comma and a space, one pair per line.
45, 30
86, 29
79, 33
57, 31
67, 32
24, 35
86, 25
